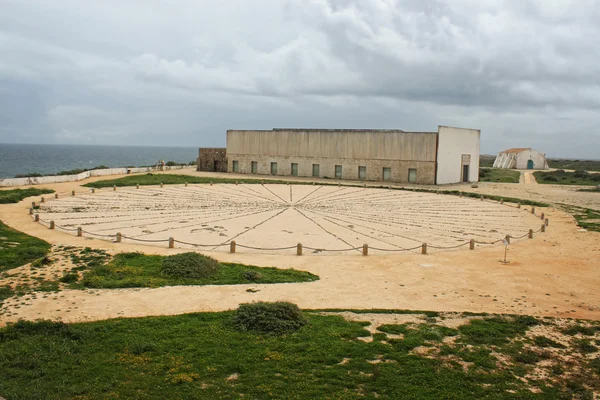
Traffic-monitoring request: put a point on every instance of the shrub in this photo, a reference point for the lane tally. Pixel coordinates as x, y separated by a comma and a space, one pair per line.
170, 163
68, 278
580, 174
190, 265
275, 318
39, 327
550, 178
252, 276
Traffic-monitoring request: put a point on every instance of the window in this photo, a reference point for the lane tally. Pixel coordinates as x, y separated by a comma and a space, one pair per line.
362, 173
236, 167
412, 175
316, 168
387, 174
338, 171
294, 169
273, 168
254, 167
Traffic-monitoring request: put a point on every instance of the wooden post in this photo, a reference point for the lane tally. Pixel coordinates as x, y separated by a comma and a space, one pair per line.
33, 204
114, 188
36, 218
299, 249
51, 225
472, 244
519, 205
171, 243
118, 240
424, 248
211, 183
236, 182
186, 184
533, 210
31, 211
161, 184
530, 235
42, 199
507, 238
56, 195
501, 201
72, 193
79, 231
547, 221
542, 216
481, 198
365, 249
137, 186
232, 246
543, 227
93, 190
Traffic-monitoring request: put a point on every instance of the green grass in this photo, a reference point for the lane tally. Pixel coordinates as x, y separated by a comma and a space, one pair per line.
561, 177
586, 218
577, 165
16, 195
203, 355
17, 248
169, 179
499, 175
486, 161
128, 270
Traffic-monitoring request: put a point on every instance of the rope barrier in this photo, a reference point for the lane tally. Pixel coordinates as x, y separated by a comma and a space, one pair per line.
411, 249
202, 245
448, 247
264, 248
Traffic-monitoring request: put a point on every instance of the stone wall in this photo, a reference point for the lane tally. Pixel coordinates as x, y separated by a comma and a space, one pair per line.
40, 180
374, 168
212, 159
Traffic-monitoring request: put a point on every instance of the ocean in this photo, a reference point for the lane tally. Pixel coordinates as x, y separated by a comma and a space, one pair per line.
53, 158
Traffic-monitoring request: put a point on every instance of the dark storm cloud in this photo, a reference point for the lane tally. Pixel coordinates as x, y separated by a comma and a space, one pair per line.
182, 72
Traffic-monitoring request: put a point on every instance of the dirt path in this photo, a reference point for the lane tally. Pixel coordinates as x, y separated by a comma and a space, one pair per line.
527, 178
555, 274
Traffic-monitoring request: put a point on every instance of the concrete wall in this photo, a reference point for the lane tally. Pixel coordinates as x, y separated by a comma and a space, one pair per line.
539, 159
335, 143
399, 169
520, 160
375, 150
212, 159
78, 177
454, 143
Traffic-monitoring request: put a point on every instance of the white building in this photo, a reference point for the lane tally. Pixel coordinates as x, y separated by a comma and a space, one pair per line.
521, 158
449, 155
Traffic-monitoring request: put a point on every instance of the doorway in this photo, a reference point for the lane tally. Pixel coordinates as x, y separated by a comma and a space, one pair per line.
530, 164
465, 173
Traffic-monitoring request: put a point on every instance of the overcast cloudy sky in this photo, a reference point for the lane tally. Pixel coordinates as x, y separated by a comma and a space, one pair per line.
182, 72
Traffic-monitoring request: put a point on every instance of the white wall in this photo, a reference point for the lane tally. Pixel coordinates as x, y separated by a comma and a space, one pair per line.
539, 159
41, 180
453, 143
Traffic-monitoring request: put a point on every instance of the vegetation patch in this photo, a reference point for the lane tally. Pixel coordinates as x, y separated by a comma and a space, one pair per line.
140, 270
276, 318
16, 195
499, 175
586, 218
561, 177
172, 179
189, 266
207, 355
17, 248
577, 165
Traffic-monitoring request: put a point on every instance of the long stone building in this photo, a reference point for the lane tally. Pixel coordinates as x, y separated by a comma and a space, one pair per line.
447, 156
521, 158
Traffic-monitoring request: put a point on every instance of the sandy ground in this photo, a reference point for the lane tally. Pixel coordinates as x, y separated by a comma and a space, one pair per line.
274, 218
555, 274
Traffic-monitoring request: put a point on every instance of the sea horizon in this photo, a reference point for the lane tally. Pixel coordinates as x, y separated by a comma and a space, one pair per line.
52, 158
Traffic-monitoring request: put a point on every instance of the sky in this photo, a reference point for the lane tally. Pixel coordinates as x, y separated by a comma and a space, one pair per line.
182, 72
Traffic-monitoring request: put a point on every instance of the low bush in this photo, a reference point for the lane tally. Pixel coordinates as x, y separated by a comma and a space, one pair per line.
41, 327
69, 278
252, 276
550, 178
580, 174
276, 318
190, 265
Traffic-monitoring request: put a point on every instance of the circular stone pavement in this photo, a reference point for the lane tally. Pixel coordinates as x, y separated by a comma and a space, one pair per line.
325, 219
